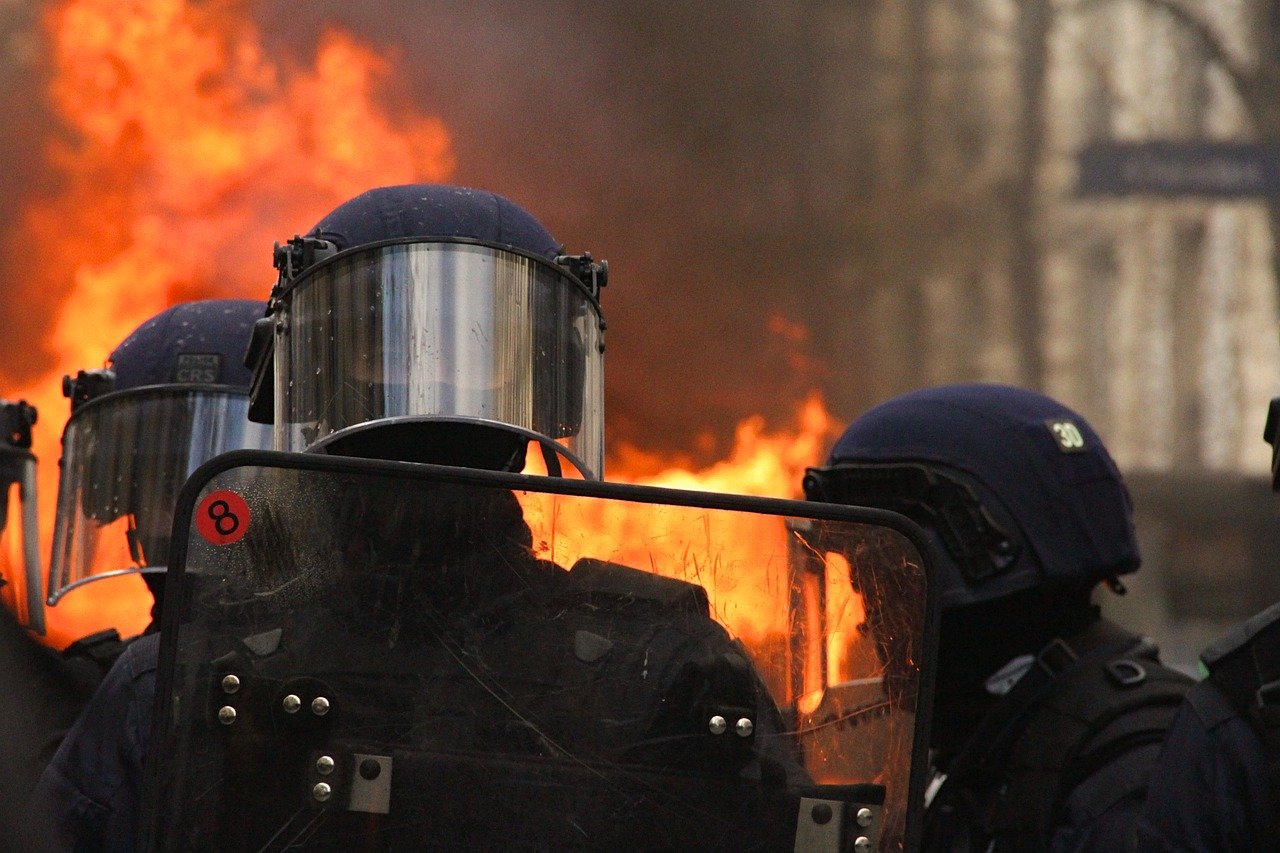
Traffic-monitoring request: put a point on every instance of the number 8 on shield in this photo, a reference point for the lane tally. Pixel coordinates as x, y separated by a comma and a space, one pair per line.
222, 517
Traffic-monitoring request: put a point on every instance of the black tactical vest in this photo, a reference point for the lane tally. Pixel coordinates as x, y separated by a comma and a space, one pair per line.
1244, 666
1074, 713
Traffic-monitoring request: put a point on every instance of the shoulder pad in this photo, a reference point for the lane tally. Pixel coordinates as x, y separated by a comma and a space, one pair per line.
1240, 636
599, 576
1102, 713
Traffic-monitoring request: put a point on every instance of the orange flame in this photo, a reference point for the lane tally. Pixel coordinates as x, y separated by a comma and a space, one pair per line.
760, 463
743, 593
747, 569
189, 151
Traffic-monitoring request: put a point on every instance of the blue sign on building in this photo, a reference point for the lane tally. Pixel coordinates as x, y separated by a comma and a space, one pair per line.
1209, 169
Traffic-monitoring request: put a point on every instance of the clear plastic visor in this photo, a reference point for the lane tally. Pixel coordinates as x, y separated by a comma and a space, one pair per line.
440, 331
124, 459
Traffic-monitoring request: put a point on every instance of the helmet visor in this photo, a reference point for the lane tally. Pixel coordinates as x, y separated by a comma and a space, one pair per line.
440, 332
124, 458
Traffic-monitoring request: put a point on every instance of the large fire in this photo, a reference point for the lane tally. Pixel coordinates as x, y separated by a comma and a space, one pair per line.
188, 151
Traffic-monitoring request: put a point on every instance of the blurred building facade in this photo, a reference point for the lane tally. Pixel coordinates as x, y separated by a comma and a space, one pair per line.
1155, 317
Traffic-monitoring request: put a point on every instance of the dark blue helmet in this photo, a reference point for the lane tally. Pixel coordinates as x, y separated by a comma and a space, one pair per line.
437, 324
200, 343
434, 210
1018, 489
176, 394
195, 343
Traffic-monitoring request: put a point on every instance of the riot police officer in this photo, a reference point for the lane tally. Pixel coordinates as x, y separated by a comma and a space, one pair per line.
357, 623
1217, 784
175, 393
20, 570
42, 693
1046, 717
330, 386
446, 325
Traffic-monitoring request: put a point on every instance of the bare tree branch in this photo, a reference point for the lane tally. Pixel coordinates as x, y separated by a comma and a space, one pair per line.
1202, 31
1211, 43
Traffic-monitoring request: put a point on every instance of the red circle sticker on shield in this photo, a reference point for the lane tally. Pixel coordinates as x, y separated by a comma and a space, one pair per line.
222, 518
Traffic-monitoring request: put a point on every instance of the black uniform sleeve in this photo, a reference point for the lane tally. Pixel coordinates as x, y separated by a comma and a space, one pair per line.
1208, 790
88, 796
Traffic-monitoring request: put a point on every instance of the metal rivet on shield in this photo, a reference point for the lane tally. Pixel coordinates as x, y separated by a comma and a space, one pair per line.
292, 703
230, 684
322, 792
864, 817
718, 725
862, 844
226, 715
324, 765
744, 727
319, 706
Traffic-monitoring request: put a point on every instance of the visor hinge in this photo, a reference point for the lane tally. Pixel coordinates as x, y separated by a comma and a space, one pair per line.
814, 484
18, 418
297, 256
594, 274
87, 385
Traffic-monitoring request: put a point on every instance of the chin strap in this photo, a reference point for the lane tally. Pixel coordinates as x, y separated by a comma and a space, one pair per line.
100, 649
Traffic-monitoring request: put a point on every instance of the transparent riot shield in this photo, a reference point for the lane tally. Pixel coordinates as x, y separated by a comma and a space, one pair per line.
375, 656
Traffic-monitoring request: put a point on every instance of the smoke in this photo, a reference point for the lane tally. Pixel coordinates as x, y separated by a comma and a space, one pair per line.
24, 173
690, 143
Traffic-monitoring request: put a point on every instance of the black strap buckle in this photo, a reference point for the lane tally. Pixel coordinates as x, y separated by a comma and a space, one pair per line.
1056, 657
